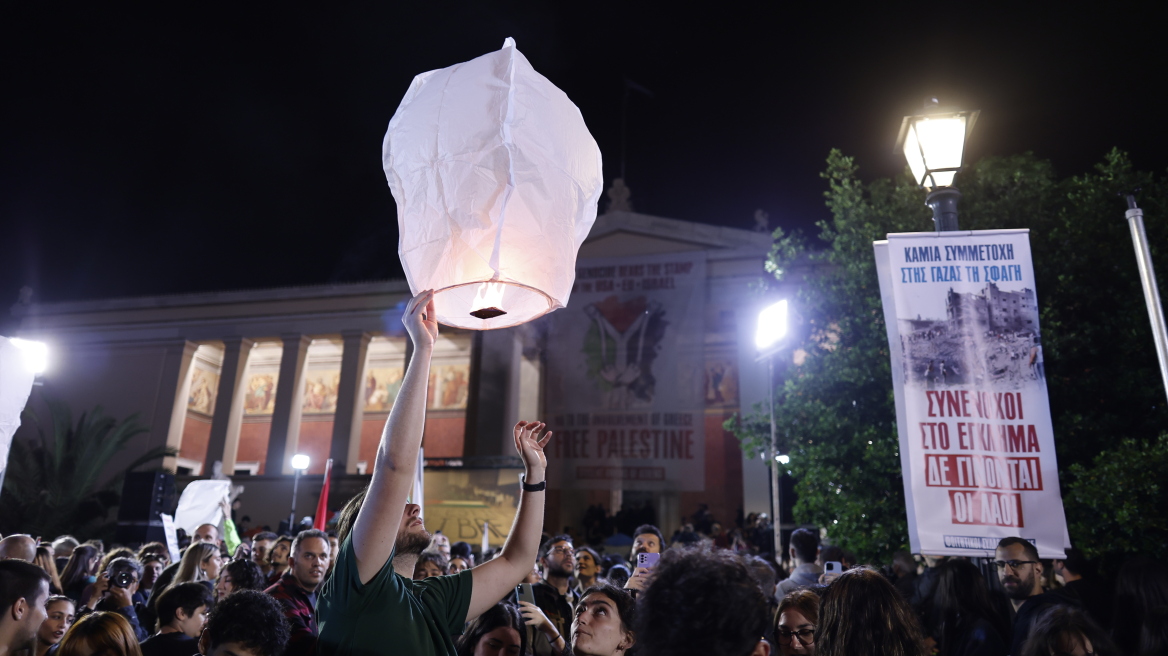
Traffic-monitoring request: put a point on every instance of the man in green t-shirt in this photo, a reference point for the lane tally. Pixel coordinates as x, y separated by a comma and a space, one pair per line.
369, 604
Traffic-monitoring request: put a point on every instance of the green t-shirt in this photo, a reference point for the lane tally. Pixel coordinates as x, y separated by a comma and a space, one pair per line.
390, 614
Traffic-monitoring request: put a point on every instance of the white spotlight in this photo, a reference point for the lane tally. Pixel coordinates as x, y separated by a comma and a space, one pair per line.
36, 354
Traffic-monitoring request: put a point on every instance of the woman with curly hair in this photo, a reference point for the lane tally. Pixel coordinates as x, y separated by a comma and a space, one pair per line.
700, 600
104, 633
861, 614
239, 575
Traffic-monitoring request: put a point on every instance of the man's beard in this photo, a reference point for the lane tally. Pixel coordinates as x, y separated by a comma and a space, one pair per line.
558, 570
411, 543
1022, 590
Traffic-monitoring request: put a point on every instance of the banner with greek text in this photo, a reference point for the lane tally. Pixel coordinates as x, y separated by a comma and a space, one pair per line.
976, 441
624, 378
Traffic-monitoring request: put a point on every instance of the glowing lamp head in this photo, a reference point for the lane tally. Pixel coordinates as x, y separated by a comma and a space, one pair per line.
36, 354
783, 459
934, 142
300, 462
772, 325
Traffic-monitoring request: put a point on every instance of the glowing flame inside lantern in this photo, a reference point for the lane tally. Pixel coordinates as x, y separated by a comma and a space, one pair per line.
487, 301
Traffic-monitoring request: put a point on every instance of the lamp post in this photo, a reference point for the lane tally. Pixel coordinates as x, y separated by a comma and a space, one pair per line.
933, 143
768, 338
299, 464
1135, 220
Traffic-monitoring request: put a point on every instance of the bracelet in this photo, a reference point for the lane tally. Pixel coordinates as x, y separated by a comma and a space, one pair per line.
530, 487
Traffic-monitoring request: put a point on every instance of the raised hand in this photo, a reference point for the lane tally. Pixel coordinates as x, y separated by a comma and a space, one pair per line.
530, 446
420, 320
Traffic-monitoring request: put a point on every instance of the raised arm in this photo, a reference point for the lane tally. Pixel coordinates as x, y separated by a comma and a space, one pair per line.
376, 527
494, 579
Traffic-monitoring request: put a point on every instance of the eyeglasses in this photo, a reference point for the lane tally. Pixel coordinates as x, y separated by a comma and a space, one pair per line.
560, 550
805, 636
1013, 564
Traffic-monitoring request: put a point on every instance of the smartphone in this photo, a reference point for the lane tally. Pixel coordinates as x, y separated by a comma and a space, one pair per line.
833, 567
524, 593
647, 560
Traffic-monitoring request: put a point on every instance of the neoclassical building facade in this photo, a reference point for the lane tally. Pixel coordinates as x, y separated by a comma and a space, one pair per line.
244, 379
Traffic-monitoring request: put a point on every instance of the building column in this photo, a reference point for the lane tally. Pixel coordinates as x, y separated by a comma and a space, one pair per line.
224, 440
285, 434
493, 406
350, 402
171, 402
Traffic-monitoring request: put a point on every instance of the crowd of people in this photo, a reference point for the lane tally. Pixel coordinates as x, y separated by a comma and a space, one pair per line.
382, 584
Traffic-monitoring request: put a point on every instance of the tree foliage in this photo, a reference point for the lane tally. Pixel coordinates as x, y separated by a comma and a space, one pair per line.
54, 485
835, 411
1115, 504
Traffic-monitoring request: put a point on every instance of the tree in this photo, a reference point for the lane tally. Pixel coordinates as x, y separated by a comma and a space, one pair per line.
1115, 505
53, 484
835, 411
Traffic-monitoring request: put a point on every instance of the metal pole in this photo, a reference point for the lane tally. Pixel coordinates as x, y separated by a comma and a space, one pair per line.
943, 200
292, 515
776, 506
1135, 220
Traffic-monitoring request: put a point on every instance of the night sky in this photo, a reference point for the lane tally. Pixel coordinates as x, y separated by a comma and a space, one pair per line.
155, 152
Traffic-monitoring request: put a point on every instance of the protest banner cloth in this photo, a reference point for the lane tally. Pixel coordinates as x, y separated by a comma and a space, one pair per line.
625, 382
200, 503
976, 442
171, 537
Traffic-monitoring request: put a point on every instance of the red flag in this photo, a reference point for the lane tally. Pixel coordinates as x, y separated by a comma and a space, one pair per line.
321, 516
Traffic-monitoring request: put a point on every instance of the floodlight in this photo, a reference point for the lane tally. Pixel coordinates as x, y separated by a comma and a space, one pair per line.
36, 354
772, 325
300, 462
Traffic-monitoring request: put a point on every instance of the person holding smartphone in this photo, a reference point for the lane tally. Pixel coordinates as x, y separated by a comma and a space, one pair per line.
370, 594
647, 540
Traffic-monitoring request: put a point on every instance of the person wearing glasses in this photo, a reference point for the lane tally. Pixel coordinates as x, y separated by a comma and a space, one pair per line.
554, 594
795, 621
1020, 572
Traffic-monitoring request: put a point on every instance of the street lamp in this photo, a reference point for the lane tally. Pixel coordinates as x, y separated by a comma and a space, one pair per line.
299, 464
933, 142
768, 338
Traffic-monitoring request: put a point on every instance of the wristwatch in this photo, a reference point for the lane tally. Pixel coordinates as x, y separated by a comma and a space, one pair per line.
538, 487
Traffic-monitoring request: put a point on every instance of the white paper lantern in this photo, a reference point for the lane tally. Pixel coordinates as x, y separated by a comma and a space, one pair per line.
496, 180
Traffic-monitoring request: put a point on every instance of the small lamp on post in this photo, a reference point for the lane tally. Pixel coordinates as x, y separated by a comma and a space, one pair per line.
768, 338
299, 464
933, 142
